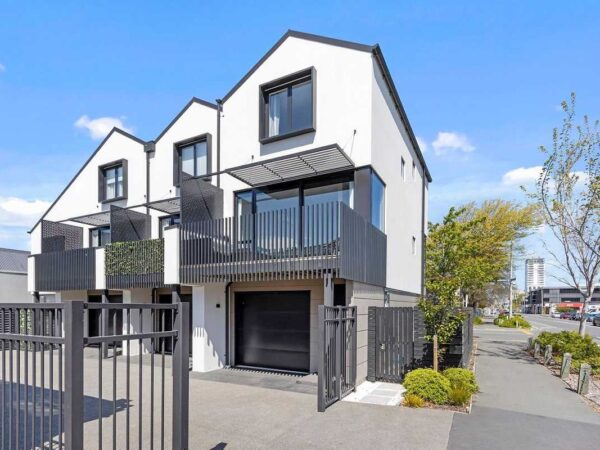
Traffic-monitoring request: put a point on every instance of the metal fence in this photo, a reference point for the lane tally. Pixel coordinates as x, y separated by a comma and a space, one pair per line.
391, 343
397, 344
46, 360
337, 347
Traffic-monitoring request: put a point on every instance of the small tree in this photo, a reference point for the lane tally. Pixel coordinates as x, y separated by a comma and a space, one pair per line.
448, 248
568, 192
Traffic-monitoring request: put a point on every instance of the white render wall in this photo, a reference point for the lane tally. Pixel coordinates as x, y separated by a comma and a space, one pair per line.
343, 93
403, 208
196, 120
208, 327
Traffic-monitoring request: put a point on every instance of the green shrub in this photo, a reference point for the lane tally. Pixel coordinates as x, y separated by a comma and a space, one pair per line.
459, 395
428, 384
463, 378
580, 348
477, 320
413, 401
514, 322
594, 362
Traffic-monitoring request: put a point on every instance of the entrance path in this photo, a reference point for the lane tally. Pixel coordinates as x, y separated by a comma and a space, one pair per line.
521, 404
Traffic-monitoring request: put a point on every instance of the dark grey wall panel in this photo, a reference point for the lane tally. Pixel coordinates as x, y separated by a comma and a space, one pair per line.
200, 200
127, 225
57, 237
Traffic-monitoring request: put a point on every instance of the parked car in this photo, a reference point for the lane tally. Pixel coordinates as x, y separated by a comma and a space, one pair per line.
576, 316
596, 320
589, 317
565, 315
555, 315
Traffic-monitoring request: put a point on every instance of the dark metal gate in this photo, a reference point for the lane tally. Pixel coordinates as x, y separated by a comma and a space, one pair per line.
56, 394
337, 347
391, 343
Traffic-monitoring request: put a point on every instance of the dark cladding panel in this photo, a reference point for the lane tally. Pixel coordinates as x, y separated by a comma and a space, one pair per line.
127, 225
200, 200
58, 237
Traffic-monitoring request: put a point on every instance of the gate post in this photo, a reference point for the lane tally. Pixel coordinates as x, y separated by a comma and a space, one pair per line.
73, 406
322, 360
338, 351
181, 379
371, 350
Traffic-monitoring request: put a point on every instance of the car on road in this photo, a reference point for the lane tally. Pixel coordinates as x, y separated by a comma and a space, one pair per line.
596, 320
565, 315
555, 315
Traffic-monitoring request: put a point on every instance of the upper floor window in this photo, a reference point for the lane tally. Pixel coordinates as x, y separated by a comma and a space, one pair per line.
377, 202
402, 169
168, 221
287, 106
192, 158
112, 181
99, 237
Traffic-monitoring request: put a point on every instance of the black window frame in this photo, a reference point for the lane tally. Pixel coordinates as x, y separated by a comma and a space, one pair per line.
288, 82
102, 244
169, 216
178, 146
102, 169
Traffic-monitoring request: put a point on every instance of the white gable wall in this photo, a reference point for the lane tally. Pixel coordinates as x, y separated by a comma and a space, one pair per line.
196, 120
343, 91
403, 208
81, 197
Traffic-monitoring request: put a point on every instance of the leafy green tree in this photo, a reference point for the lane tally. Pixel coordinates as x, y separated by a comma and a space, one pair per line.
466, 252
568, 194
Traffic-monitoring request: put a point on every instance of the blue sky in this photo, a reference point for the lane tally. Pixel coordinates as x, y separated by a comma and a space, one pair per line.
481, 81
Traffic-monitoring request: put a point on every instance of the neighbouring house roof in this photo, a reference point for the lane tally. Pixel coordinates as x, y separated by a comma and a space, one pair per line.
13, 261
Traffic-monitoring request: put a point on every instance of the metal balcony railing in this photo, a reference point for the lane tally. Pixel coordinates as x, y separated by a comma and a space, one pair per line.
290, 243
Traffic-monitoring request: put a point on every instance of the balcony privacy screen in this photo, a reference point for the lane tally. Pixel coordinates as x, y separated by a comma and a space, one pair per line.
127, 225
58, 237
200, 200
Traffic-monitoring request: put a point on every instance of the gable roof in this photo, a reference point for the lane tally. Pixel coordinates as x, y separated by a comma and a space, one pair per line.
13, 261
114, 130
182, 112
375, 50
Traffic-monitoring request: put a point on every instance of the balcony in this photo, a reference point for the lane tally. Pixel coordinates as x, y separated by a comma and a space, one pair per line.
283, 244
63, 270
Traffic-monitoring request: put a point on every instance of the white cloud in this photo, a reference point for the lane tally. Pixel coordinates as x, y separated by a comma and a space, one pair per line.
450, 141
2, 68
17, 212
100, 127
522, 176
422, 144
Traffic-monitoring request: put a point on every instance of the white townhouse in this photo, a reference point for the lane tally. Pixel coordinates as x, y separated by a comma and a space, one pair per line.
303, 186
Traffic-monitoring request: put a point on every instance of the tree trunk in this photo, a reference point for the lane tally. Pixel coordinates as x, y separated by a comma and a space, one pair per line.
582, 322
435, 352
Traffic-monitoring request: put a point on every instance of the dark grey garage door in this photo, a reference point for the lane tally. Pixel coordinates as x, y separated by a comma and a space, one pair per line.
272, 330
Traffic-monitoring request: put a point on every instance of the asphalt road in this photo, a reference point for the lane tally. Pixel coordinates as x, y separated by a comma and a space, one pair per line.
541, 323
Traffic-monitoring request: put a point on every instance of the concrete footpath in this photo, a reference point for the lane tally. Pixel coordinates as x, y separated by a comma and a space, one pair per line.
521, 404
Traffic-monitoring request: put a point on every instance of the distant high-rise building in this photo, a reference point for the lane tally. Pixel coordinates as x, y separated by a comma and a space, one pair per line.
534, 273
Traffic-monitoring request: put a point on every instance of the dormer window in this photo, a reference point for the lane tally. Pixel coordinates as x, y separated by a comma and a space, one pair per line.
287, 106
112, 181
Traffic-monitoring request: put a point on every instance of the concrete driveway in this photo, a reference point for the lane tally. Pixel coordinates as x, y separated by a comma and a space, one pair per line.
228, 414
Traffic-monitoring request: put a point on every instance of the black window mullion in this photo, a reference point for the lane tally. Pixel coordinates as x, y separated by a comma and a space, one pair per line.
289, 106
